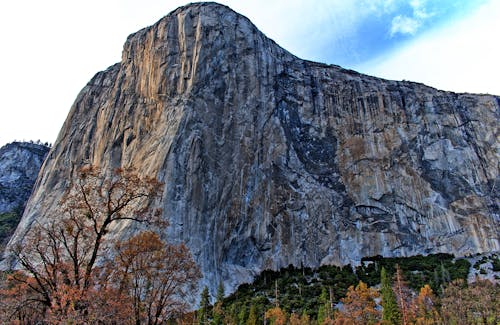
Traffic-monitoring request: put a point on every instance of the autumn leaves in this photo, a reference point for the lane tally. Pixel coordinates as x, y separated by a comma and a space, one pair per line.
72, 270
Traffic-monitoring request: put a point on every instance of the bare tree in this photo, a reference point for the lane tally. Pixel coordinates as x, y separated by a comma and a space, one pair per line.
59, 270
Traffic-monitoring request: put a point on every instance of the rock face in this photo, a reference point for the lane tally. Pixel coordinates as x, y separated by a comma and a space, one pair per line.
20, 163
270, 160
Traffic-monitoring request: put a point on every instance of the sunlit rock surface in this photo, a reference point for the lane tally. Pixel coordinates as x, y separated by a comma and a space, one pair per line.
270, 160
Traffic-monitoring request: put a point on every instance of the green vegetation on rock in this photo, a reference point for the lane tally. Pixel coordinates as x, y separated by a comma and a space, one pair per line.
8, 223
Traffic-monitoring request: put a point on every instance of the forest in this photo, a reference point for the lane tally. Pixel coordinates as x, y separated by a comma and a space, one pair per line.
429, 289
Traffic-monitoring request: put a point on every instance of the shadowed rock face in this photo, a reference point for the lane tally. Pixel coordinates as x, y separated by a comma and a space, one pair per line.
270, 160
19, 166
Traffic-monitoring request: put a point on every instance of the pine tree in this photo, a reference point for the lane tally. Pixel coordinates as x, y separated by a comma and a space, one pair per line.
252, 315
204, 306
220, 293
242, 315
390, 313
218, 313
305, 319
324, 307
230, 316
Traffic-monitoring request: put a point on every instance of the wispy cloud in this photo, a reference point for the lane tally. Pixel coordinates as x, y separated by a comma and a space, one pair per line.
461, 56
406, 25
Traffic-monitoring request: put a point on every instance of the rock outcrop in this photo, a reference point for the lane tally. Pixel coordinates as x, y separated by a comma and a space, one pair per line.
20, 163
270, 160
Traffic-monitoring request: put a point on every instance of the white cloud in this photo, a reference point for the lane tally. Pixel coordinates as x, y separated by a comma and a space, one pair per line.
52, 48
461, 57
402, 24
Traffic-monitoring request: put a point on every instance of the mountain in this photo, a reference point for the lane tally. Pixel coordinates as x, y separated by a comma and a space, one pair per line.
270, 160
19, 166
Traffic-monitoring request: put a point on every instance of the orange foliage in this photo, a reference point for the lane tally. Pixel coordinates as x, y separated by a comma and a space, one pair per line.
423, 307
168, 270
359, 306
296, 320
276, 316
59, 279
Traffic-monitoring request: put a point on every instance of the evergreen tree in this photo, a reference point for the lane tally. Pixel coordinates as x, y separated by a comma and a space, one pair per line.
218, 313
390, 313
324, 306
220, 293
242, 315
230, 317
304, 319
204, 306
252, 316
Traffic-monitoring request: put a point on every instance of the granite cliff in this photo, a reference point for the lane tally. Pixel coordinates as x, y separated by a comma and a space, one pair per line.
20, 163
19, 166
270, 160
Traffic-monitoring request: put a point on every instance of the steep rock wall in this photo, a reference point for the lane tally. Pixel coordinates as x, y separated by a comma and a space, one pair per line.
270, 160
19, 166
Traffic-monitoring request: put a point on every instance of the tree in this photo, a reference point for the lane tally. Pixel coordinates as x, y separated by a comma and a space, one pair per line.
276, 316
157, 276
403, 296
218, 312
204, 306
220, 293
230, 316
13, 295
305, 319
454, 303
482, 300
59, 278
390, 311
241, 317
296, 320
252, 316
324, 310
359, 306
473, 304
423, 307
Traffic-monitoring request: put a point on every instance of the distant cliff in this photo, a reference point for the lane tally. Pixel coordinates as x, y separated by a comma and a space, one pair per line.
270, 160
20, 163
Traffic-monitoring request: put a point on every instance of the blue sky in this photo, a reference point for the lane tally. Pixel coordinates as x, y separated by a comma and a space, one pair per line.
51, 49
387, 25
384, 26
